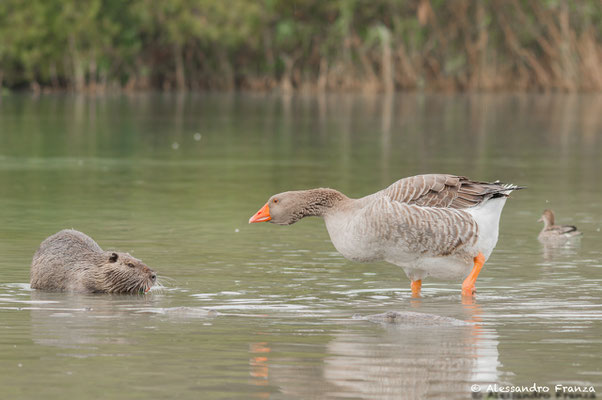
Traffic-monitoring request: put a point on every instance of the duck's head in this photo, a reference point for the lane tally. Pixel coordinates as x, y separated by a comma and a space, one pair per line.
547, 217
289, 207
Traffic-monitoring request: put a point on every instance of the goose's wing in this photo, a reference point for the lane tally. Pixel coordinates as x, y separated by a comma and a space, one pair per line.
429, 231
444, 191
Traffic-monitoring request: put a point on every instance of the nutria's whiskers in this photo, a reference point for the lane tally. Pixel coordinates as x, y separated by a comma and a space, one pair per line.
165, 281
158, 287
167, 278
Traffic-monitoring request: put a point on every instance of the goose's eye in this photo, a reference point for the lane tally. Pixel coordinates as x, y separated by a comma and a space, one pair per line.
131, 265
275, 200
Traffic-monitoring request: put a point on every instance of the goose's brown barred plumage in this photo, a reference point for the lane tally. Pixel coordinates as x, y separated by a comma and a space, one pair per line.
423, 230
444, 191
436, 225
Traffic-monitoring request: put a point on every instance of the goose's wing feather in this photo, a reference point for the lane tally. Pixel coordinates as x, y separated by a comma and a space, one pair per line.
444, 191
430, 231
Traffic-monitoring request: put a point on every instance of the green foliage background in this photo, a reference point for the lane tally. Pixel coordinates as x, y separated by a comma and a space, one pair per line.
301, 44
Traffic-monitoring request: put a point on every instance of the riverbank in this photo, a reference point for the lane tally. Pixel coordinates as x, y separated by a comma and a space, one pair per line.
377, 46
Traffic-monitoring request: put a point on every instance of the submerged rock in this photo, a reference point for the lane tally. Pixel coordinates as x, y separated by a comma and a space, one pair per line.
184, 312
409, 318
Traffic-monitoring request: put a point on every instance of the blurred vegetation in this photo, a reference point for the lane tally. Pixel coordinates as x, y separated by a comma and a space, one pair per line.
378, 45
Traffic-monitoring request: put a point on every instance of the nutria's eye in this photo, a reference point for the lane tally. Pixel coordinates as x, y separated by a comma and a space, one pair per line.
131, 265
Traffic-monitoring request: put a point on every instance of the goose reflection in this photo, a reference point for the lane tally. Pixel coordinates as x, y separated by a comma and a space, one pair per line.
412, 362
382, 361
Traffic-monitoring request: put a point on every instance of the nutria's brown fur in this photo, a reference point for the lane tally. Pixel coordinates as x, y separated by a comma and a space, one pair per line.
70, 261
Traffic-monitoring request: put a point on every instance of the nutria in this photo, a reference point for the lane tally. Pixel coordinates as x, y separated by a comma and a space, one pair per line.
71, 261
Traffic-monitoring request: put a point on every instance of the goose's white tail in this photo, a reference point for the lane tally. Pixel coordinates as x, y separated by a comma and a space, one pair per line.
487, 216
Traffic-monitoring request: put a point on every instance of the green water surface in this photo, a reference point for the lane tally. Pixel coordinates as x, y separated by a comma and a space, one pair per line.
173, 179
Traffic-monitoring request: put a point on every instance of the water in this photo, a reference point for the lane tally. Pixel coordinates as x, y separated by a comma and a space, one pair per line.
173, 180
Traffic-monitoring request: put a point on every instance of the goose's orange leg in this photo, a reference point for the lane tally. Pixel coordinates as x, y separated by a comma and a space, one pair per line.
468, 288
416, 285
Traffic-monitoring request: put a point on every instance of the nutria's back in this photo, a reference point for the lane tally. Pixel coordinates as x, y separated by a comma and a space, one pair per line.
72, 261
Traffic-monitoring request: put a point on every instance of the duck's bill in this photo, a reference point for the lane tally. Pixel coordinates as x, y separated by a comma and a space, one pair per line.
262, 215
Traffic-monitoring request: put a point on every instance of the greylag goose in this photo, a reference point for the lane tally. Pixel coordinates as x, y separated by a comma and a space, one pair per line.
555, 233
444, 226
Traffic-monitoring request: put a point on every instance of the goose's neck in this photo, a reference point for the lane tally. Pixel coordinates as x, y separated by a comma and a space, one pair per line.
319, 202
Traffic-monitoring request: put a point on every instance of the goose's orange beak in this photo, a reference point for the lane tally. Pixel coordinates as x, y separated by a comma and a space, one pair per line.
262, 215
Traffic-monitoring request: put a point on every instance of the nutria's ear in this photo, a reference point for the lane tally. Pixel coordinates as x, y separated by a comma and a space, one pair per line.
113, 257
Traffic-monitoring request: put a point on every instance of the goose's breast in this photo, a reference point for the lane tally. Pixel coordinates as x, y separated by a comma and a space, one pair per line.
352, 237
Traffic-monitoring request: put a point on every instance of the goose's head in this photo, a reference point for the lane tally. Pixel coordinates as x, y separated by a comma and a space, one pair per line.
289, 207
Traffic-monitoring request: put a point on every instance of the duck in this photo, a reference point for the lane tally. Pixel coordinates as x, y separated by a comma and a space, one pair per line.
434, 225
555, 233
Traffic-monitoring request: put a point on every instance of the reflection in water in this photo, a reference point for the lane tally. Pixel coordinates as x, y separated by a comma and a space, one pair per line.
78, 321
259, 364
391, 361
412, 362
417, 126
565, 249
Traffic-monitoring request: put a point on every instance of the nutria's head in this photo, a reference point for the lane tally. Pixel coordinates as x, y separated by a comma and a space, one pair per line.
122, 273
